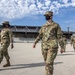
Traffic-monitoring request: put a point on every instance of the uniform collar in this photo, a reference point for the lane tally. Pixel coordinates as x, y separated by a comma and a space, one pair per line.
48, 23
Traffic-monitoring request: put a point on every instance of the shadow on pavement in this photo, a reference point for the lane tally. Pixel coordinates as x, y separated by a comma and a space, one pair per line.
21, 66
64, 54
55, 63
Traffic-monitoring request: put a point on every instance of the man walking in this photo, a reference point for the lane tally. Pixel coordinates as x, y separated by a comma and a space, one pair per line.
63, 43
6, 38
50, 33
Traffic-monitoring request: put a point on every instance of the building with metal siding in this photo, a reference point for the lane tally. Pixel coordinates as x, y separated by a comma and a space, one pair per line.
31, 31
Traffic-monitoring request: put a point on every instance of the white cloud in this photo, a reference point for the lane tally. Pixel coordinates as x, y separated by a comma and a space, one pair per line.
73, 4
65, 1
11, 9
47, 3
39, 5
73, 1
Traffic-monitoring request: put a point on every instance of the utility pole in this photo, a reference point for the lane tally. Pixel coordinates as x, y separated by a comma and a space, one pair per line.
68, 32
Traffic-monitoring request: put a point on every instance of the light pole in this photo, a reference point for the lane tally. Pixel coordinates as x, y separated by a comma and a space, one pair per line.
68, 32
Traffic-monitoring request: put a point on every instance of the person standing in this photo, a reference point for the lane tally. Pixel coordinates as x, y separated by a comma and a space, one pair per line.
73, 41
63, 43
50, 33
6, 37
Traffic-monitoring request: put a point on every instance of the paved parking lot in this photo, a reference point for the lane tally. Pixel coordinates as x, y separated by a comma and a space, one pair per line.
28, 61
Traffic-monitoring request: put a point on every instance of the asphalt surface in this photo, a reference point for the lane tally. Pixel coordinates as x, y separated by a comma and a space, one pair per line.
28, 61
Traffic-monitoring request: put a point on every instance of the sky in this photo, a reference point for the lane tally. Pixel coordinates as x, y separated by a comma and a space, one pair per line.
31, 12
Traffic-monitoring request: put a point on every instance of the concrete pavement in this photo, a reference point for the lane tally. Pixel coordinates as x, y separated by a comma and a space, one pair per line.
28, 61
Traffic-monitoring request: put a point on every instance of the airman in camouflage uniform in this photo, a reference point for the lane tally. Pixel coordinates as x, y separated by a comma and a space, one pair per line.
50, 33
63, 43
6, 38
73, 41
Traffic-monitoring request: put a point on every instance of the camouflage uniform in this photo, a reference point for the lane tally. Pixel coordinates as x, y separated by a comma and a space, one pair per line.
5, 37
63, 43
73, 41
49, 34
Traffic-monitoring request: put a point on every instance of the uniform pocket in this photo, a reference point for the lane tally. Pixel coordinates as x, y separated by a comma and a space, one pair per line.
53, 44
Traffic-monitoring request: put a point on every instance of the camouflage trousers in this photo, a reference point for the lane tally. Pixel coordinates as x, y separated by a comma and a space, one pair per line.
4, 51
63, 47
74, 46
49, 56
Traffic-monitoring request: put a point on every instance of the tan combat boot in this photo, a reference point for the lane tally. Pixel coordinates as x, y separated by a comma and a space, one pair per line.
7, 64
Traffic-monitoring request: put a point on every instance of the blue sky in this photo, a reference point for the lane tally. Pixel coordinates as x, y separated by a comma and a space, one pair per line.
30, 12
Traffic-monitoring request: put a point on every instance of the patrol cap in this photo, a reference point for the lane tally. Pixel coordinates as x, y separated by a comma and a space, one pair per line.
48, 13
6, 23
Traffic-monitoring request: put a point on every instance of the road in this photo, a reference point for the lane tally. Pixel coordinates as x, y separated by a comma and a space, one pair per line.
28, 61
